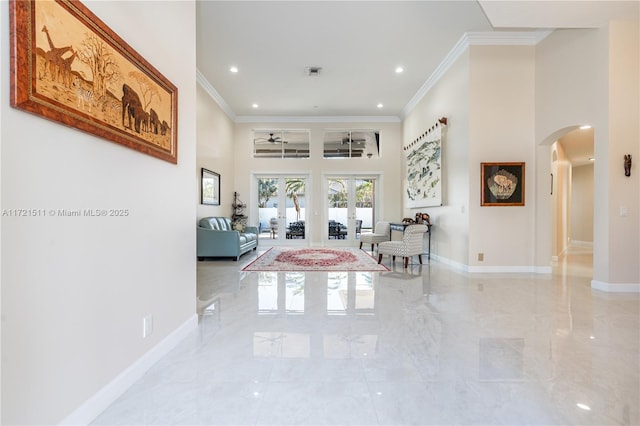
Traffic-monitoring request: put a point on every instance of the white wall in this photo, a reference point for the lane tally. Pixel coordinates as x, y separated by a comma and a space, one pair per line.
388, 165
571, 79
75, 289
214, 152
560, 200
582, 204
501, 129
591, 77
624, 138
488, 98
448, 98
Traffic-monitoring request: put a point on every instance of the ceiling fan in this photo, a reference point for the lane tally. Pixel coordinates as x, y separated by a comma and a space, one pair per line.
271, 139
349, 139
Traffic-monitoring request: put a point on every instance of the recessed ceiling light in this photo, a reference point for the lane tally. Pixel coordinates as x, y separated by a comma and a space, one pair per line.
585, 127
380, 105
583, 406
233, 69
399, 70
592, 159
254, 105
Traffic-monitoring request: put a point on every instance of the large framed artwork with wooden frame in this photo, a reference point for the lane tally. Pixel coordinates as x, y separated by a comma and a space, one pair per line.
69, 67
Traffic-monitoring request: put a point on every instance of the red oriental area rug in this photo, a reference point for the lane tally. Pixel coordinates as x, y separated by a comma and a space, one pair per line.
315, 259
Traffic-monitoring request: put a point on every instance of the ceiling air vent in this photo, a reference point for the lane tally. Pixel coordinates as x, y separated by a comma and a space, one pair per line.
313, 71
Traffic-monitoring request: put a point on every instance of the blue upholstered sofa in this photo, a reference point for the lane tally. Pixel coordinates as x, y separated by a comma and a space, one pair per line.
217, 238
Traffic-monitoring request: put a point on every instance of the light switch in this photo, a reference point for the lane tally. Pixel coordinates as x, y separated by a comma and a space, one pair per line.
624, 212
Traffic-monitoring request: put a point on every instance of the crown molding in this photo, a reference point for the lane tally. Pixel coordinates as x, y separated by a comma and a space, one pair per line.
317, 119
441, 69
211, 91
499, 38
506, 38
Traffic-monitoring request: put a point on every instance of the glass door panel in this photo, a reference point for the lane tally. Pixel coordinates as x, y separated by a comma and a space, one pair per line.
338, 208
296, 200
268, 208
350, 208
282, 209
365, 189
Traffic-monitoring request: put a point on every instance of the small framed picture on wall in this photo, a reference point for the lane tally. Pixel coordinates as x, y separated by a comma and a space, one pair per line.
502, 184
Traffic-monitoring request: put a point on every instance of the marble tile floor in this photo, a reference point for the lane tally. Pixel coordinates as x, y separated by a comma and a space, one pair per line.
426, 346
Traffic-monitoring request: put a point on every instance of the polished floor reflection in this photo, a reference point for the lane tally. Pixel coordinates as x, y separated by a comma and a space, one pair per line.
425, 346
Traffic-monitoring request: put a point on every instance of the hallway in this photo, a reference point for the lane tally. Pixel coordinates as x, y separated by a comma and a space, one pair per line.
430, 346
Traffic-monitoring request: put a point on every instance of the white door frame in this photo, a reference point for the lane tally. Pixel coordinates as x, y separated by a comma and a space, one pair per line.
281, 209
351, 208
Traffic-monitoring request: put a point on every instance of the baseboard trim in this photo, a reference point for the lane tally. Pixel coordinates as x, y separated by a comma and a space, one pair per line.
502, 269
616, 287
543, 269
494, 268
577, 243
449, 262
99, 402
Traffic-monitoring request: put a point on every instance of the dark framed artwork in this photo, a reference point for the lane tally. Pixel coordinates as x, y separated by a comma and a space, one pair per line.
210, 188
70, 67
502, 184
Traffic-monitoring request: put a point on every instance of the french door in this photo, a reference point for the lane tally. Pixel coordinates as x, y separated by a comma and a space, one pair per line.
282, 201
350, 208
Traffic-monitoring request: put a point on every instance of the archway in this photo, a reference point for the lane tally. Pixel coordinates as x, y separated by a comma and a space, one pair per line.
570, 155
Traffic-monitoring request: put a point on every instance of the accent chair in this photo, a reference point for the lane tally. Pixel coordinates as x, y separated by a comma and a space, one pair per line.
273, 227
382, 232
411, 245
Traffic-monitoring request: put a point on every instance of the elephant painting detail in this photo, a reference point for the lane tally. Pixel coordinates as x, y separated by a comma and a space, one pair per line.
502, 184
131, 107
137, 112
154, 121
164, 128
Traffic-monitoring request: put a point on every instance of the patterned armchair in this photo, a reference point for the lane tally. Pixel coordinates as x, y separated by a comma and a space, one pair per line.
382, 232
410, 245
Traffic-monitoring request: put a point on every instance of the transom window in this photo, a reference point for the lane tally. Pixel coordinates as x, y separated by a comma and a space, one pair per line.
281, 143
351, 143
